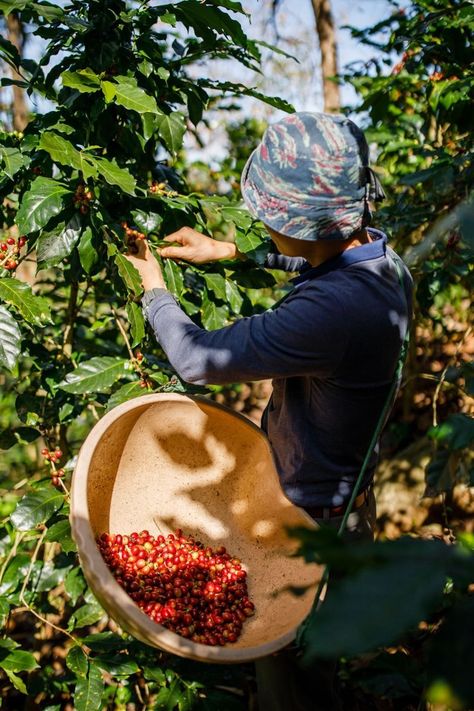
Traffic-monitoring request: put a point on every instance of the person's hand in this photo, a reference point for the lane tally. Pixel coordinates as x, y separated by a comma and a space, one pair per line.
147, 266
197, 248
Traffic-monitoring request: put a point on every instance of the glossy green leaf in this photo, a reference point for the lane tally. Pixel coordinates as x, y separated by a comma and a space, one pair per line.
86, 615
34, 309
173, 277
95, 375
43, 201
88, 691
213, 316
77, 661
61, 533
137, 323
147, 221
75, 584
49, 576
233, 295
10, 340
13, 160
217, 284
37, 507
63, 152
124, 393
117, 664
115, 175
52, 248
83, 80
14, 659
126, 92
172, 129
17, 681
129, 274
88, 255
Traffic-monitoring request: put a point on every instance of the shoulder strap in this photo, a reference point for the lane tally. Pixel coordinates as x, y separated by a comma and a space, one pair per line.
375, 436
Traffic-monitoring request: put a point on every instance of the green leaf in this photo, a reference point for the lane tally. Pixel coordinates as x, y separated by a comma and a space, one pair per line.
18, 435
126, 92
217, 284
48, 576
95, 375
4, 612
174, 277
16, 660
239, 217
457, 431
172, 129
10, 339
36, 507
17, 682
137, 323
75, 584
234, 297
60, 532
34, 309
84, 80
53, 248
373, 608
213, 316
147, 221
114, 175
77, 661
88, 691
129, 274
124, 393
150, 123
88, 255
13, 160
117, 664
63, 152
39, 204
86, 615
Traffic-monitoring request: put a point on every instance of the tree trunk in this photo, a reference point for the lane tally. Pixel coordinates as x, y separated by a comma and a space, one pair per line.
327, 43
19, 107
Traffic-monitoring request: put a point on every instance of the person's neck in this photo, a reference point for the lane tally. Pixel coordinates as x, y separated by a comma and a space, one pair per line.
318, 252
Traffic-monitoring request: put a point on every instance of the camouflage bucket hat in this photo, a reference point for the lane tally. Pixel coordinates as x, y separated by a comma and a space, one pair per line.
309, 178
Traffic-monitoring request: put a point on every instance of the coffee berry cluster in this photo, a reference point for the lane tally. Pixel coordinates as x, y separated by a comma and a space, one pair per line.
132, 236
190, 589
53, 456
9, 251
161, 189
82, 198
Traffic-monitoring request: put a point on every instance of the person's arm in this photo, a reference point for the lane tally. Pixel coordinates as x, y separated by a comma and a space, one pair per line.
300, 337
198, 248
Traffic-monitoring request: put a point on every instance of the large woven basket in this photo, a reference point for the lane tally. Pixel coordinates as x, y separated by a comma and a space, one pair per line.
166, 461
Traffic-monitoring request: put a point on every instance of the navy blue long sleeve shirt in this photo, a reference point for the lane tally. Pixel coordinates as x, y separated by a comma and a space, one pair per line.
331, 348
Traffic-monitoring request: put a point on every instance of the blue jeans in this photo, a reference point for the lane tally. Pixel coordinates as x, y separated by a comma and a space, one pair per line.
282, 685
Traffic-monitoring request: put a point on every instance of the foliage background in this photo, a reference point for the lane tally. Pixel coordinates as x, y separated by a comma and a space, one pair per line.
71, 330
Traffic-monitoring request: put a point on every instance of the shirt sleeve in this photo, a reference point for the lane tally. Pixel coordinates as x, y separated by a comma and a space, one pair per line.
300, 337
274, 260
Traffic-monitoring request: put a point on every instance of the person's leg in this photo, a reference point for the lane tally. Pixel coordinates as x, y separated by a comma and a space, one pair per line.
282, 685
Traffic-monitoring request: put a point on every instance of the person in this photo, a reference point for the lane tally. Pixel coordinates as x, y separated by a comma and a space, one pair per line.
331, 345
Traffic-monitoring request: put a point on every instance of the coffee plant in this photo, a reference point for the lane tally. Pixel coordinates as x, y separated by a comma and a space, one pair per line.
100, 167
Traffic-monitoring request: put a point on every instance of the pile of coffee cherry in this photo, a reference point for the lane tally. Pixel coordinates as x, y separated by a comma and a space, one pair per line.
9, 251
191, 589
